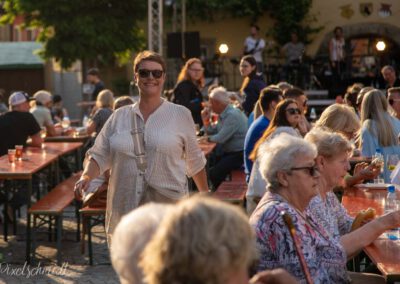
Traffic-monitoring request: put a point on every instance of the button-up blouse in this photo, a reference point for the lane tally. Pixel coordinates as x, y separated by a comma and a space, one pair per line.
172, 154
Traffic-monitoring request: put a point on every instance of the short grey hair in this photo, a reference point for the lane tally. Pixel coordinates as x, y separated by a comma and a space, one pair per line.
328, 143
220, 94
280, 155
130, 238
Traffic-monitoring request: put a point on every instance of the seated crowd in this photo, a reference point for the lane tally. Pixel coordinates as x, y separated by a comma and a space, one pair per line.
295, 231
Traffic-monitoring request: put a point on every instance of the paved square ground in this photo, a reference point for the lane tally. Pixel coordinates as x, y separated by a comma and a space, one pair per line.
75, 268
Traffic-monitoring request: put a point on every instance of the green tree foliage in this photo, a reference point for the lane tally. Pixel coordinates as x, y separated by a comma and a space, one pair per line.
88, 30
288, 15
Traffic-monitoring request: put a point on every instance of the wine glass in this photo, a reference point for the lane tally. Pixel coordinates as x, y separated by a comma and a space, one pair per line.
392, 162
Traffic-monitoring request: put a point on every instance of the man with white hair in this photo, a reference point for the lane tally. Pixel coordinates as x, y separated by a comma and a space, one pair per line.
42, 114
18, 124
229, 132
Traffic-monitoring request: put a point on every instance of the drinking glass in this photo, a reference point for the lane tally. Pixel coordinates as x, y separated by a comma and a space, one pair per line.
65, 123
392, 162
43, 132
18, 152
11, 155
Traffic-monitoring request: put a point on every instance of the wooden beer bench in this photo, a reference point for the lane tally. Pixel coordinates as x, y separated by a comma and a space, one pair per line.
91, 216
50, 208
233, 190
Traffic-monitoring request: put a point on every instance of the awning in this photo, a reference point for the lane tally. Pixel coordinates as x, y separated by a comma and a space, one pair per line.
20, 55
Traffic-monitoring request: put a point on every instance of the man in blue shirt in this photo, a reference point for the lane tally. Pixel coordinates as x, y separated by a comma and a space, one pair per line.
269, 98
229, 132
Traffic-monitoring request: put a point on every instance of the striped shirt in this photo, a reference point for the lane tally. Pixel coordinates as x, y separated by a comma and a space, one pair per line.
172, 153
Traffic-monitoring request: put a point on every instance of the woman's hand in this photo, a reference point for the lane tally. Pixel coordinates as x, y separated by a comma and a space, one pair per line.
391, 220
364, 171
81, 186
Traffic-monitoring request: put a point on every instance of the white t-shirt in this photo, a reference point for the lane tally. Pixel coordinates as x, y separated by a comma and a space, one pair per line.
251, 43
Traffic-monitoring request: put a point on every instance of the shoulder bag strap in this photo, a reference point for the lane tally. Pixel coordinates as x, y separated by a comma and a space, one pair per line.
140, 158
138, 143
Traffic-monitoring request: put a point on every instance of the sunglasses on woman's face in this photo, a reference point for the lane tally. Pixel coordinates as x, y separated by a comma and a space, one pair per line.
312, 171
145, 73
293, 111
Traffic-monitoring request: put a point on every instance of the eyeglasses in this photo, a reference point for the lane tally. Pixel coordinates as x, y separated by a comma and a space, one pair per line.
145, 73
392, 101
244, 66
312, 171
293, 111
196, 70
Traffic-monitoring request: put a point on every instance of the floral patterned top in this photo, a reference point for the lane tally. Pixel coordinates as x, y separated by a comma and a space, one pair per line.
324, 255
330, 214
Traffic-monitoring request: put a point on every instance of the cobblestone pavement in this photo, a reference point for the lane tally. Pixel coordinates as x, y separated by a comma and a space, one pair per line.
43, 269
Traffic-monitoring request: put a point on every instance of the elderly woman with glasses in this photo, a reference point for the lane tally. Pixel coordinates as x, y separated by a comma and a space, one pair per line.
285, 119
287, 236
187, 92
333, 163
150, 148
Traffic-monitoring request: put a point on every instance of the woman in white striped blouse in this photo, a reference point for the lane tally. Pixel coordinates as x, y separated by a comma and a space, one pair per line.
170, 148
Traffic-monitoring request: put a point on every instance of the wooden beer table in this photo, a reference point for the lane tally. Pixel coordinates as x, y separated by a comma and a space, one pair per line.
34, 160
383, 252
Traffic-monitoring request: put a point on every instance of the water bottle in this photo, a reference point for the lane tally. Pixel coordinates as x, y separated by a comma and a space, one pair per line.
391, 204
313, 114
378, 161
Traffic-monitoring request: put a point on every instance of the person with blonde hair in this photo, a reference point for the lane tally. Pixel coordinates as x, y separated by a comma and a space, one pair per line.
379, 129
131, 236
104, 105
202, 240
187, 91
123, 101
342, 119
333, 164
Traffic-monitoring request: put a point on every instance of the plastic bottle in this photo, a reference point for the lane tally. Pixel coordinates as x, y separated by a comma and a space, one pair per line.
313, 114
378, 160
85, 121
391, 204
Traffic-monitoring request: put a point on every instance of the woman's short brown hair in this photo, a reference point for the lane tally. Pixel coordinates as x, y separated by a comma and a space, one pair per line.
148, 55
